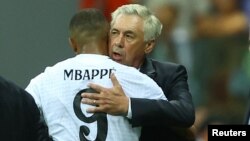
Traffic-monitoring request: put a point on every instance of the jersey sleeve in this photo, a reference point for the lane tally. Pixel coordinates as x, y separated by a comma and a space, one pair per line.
33, 89
153, 91
138, 85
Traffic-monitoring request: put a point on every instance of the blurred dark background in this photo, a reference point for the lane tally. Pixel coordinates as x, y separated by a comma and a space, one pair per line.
33, 35
209, 37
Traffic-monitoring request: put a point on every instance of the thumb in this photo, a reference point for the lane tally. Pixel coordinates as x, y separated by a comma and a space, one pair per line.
118, 88
114, 80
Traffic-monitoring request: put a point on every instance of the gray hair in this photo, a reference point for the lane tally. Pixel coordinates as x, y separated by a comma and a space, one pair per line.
152, 25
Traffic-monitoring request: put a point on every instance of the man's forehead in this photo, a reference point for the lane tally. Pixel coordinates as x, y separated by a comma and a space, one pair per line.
128, 23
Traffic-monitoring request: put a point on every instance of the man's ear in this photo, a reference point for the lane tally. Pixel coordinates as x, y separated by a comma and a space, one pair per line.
73, 44
149, 46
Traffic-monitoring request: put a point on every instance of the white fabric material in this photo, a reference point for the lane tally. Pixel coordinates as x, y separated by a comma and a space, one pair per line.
55, 89
129, 115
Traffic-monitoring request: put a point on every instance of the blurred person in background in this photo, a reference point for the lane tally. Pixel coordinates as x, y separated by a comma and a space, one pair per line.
174, 44
167, 12
227, 18
20, 118
220, 49
133, 34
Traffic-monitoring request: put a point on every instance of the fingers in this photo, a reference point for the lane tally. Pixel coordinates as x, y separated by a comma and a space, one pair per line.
95, 110
96, 87
90, 102
90, 96
114, 80
92, 99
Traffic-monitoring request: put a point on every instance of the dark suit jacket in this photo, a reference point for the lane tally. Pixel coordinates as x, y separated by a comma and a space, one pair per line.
247, 117
165, 120
19, 116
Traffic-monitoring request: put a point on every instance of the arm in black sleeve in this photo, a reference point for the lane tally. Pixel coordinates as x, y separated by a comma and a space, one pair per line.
20, 116
177, 111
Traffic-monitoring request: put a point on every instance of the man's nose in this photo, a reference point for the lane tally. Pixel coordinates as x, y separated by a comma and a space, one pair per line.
119, 42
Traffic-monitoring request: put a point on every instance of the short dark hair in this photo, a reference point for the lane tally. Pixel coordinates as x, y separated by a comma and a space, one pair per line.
88, 23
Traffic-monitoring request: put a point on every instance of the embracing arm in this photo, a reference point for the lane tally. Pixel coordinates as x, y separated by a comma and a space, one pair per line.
177, 111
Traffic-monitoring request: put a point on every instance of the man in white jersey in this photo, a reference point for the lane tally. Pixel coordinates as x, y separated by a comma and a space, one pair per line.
57, 90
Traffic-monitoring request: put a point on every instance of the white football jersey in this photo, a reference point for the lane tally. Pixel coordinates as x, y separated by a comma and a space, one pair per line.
57, 93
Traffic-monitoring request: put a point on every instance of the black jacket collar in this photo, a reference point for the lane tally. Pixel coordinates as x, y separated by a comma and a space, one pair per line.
148, 68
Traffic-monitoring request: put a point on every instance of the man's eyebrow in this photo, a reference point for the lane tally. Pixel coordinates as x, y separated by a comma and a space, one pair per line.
113, 29
129, 32
124, 32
